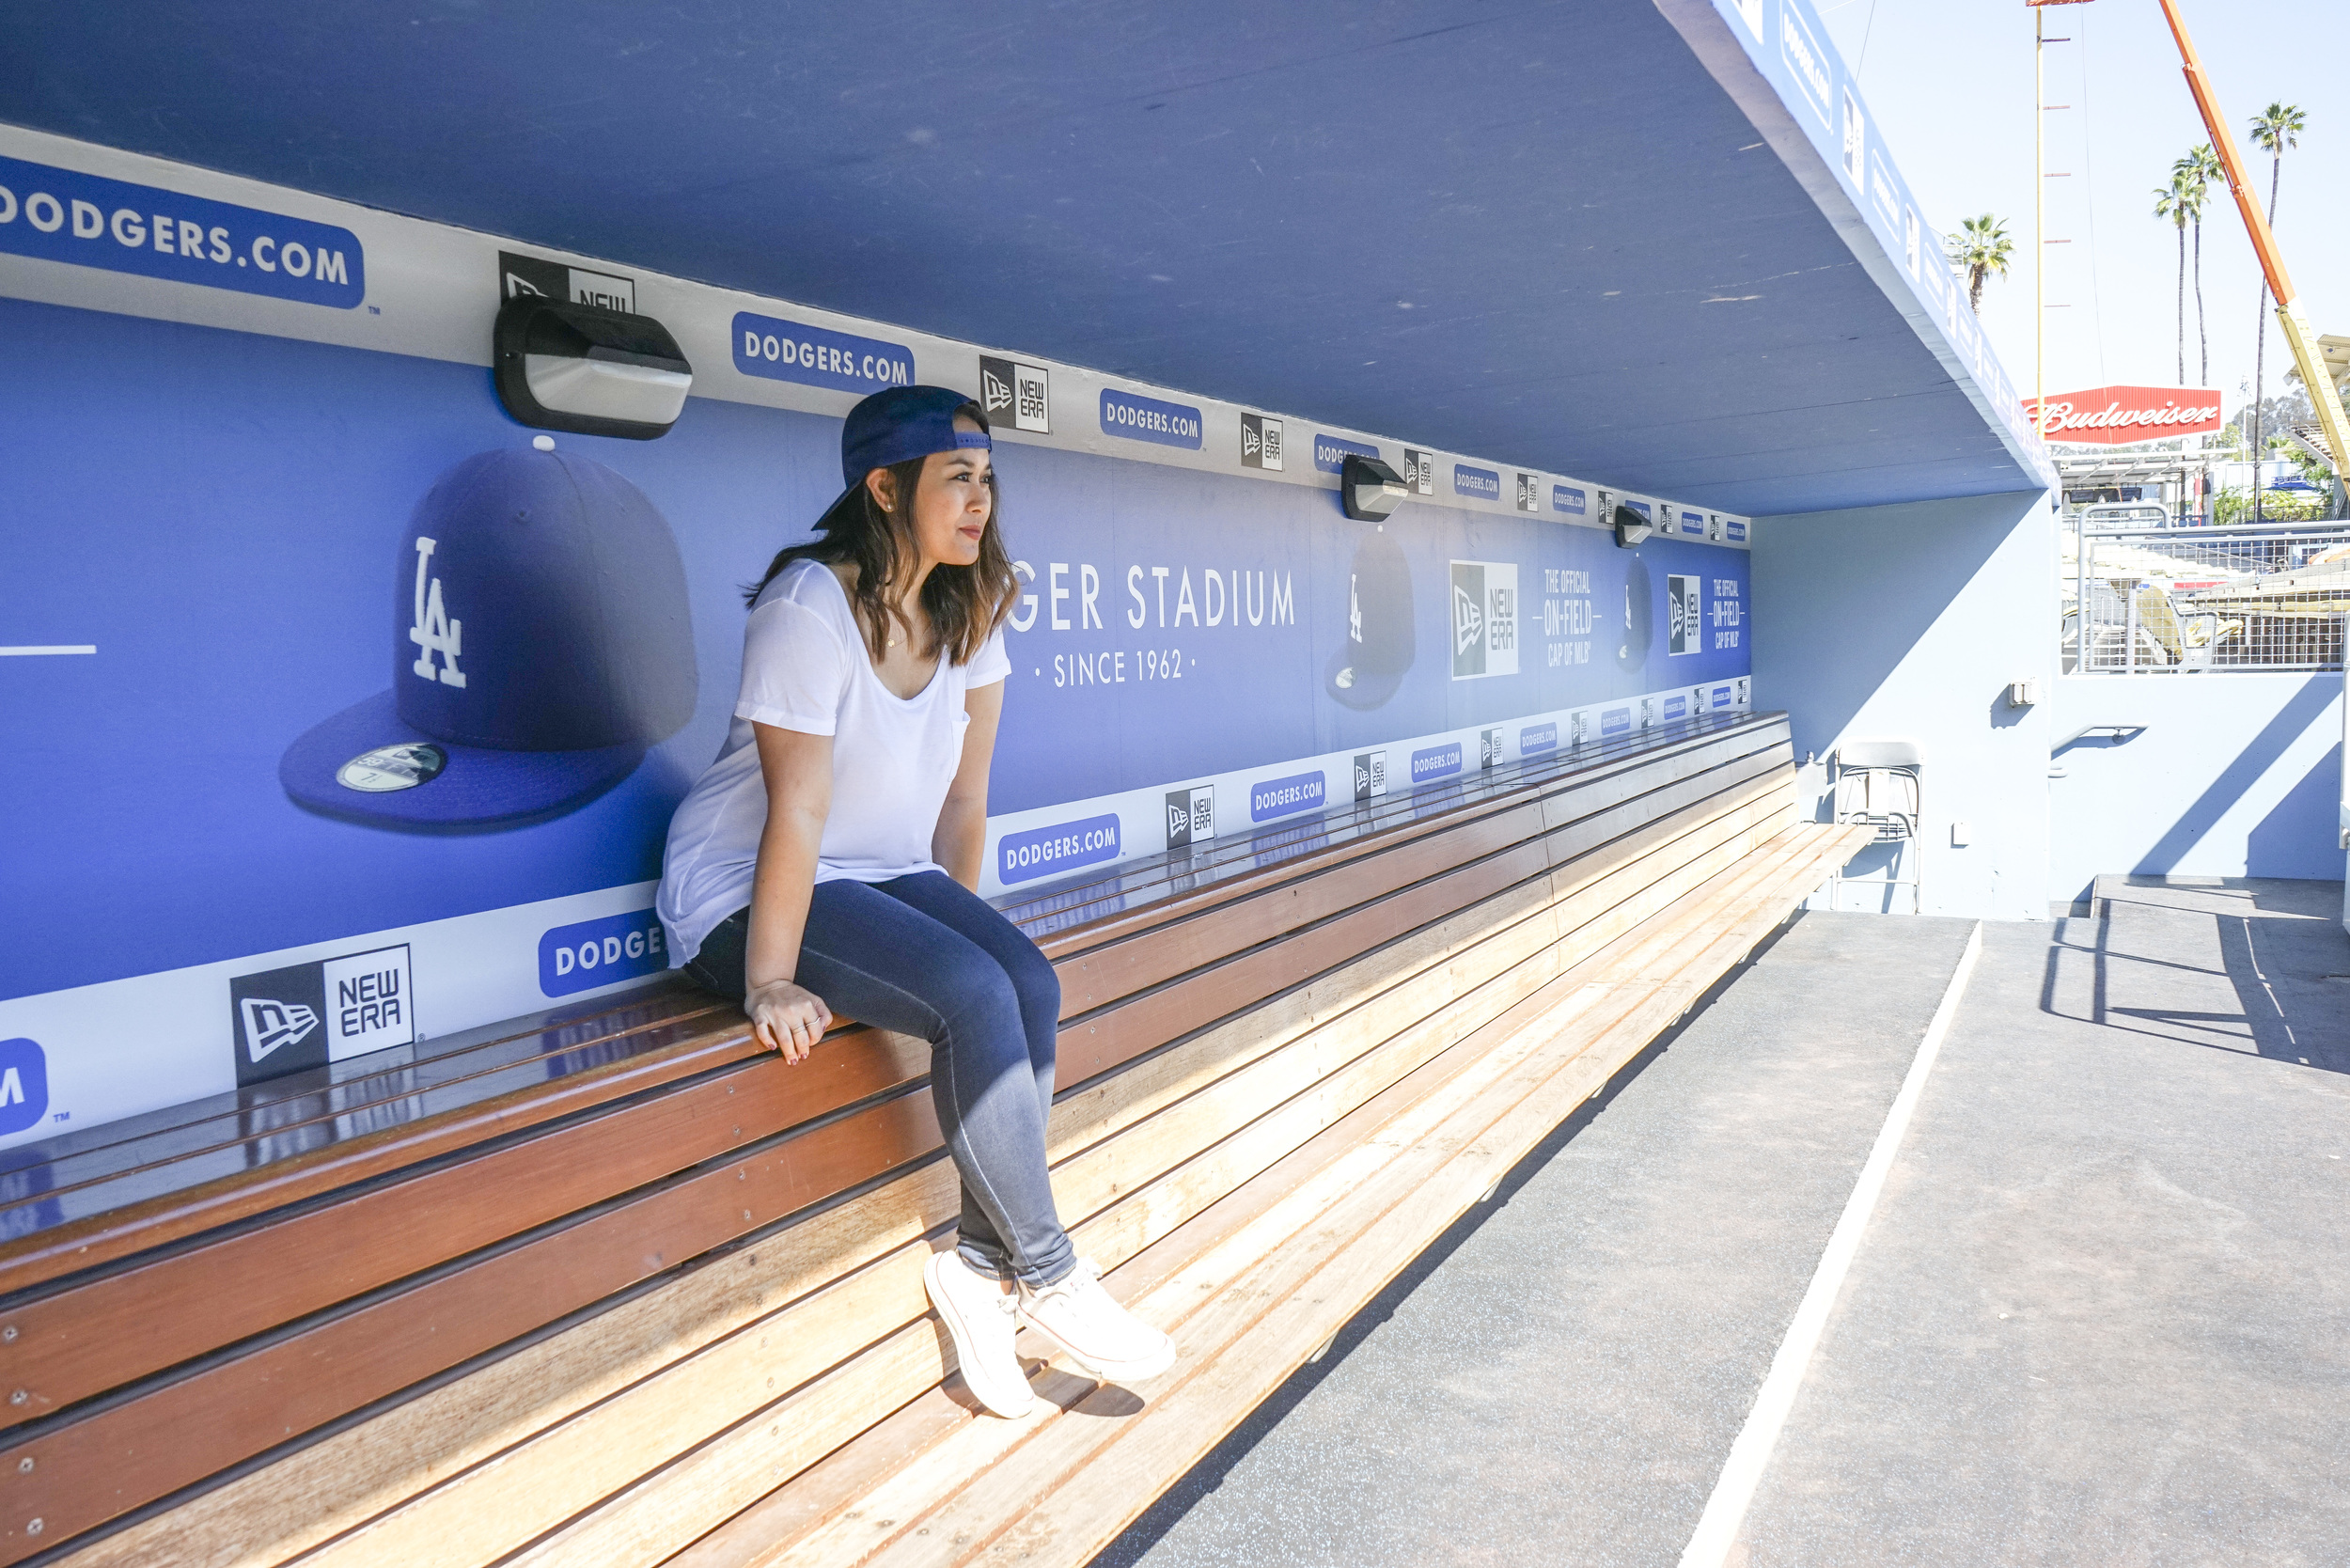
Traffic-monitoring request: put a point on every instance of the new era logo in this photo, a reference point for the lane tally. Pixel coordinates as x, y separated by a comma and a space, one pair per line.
270, 1024
305, 1015
1484, 619
536, 276
1190, 815
1259, 442
1469, 620
1015, 394
1370, 774
1686, 634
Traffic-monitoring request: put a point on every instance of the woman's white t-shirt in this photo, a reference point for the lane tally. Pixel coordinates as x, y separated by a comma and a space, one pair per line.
804, 667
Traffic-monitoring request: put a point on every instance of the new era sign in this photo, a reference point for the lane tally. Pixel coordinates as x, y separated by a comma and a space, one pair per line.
307, 1014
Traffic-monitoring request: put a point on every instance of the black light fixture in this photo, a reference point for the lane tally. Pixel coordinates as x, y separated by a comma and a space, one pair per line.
1369, 489
564, 367
1632, 529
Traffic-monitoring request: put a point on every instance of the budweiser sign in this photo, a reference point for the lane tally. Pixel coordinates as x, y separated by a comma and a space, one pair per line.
2116, 415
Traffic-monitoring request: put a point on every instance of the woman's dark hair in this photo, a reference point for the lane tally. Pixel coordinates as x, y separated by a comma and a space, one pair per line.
963, 602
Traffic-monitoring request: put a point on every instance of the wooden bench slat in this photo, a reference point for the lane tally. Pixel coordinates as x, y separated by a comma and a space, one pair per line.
156, 1137
1106, 971
1095, 1045
1201, 879
1142, 890
115, 1221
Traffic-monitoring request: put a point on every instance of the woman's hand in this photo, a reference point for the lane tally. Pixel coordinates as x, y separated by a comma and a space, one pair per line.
786, 1018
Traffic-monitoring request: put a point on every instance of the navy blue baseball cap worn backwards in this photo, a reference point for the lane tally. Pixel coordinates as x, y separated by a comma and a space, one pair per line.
541, 643
902, 423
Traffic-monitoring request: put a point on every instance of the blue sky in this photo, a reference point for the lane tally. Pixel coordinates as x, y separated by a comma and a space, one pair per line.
1951, 81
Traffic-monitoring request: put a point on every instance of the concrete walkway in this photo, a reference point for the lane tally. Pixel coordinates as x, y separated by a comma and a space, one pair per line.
2100, 1315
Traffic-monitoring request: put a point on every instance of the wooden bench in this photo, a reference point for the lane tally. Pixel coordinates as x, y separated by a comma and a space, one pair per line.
614, 1286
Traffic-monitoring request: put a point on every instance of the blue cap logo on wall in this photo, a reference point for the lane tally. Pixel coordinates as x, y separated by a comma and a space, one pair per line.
540, 644
1380, 644
1640, 616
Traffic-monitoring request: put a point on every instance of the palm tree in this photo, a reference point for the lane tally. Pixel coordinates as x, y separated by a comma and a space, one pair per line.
2275, 129
1979, 250
2171, 202
2201, 166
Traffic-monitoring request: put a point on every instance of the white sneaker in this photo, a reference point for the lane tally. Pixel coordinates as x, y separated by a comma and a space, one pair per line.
982, 1320
1099, 1334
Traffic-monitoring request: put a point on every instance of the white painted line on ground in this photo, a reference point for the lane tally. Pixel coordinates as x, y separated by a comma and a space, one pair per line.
1726, 1509
34, 649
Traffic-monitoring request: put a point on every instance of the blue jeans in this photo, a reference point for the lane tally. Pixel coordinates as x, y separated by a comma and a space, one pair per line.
924, 955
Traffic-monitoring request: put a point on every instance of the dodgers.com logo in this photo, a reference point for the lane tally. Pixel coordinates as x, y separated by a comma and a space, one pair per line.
1806, 60
1482, 484
1062, 847
589, 953
1538, 737
1435, 761
1278, 797
61, 215
1330, 451
24, 1084
776, 350
1568, 498
1615, 721
1139, 419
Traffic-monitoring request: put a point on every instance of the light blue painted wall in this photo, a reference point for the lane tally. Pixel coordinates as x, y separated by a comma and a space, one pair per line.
1909, 621
2235, 775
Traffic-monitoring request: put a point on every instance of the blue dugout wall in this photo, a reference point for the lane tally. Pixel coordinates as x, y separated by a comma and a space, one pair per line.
228, 546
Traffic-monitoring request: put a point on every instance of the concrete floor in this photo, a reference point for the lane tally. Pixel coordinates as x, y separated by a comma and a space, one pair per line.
2100, 1315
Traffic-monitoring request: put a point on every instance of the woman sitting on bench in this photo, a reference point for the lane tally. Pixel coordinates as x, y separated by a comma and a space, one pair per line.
829, 859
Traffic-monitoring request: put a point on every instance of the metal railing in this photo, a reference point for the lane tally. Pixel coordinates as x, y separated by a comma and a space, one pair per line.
2184, 601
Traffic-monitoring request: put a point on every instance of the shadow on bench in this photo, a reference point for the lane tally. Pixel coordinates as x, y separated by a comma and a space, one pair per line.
611, 1286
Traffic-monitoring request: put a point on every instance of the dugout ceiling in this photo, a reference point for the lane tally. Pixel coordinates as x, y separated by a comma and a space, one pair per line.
1545, 233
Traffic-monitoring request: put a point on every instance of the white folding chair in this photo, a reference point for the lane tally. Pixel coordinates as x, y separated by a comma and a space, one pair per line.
1878, 785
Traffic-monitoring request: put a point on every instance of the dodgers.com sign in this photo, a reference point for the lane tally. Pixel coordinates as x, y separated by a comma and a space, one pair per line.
813, 356
1278, 797
1062, 847
1482, 485
591, 953
58, 216
24, 1084
1330, 451
1435, 761
1538, 737
1149, 419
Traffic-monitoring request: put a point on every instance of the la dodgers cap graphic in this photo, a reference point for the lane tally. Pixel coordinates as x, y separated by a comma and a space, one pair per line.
541, 643
1372, 663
